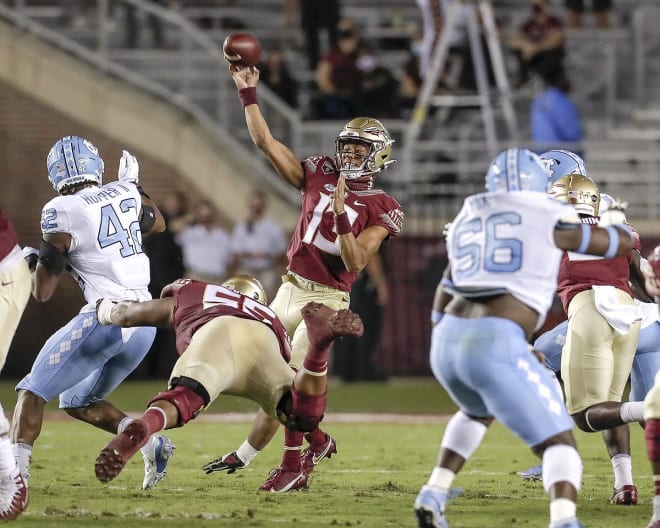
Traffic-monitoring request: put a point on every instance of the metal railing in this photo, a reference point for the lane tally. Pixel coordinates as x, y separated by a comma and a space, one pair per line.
448, 159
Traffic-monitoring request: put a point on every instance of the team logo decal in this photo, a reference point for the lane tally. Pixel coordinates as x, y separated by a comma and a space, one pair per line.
328, 168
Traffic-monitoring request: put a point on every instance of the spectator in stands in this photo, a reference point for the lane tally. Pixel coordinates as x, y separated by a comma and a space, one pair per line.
259, 245
555, 119
378, 88
275, 73
315, 16
600, 8
337, 75
538, 42
411, 80
133, 25
206, 246
354, 357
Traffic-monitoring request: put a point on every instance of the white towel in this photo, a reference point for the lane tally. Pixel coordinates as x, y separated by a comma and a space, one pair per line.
620, 316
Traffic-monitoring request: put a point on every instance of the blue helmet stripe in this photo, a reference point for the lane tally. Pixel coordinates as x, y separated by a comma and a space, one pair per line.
69, 159
512, 182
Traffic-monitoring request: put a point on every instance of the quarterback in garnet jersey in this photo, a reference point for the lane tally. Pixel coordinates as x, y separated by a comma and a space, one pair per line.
228, 343
313, 252
342, 224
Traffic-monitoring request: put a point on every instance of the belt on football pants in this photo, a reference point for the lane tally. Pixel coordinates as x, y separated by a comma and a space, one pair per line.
310, 285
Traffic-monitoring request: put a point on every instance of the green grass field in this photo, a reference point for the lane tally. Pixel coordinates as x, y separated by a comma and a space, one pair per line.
371, 482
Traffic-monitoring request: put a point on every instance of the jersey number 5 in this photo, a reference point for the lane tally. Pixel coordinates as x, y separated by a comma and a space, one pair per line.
490, 252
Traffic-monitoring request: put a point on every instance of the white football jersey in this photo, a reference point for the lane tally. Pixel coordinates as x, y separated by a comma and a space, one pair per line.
504, 243
106, 254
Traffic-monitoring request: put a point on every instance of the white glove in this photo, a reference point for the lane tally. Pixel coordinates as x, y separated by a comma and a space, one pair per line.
615, 213
31, 256
104, 311
129, 168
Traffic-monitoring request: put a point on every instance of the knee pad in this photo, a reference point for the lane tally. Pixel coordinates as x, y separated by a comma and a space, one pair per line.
561, 462
187, 402
306, 412
652, 435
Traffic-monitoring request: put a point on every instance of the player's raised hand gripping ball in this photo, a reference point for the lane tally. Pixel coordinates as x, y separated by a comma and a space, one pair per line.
242, 49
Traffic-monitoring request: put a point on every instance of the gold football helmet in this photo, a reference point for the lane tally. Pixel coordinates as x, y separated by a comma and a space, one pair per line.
248, 286
372, 133
579, 191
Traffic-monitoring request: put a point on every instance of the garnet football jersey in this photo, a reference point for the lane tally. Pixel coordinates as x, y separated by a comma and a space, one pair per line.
198, 302
313, 252
579, 272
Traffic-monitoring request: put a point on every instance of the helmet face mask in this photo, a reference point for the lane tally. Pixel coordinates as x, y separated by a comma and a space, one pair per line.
579, 191
516, 169
248, 286
560, 163
371, 133
73, 161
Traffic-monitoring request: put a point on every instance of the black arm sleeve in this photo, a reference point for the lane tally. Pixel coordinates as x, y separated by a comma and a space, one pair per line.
52, 258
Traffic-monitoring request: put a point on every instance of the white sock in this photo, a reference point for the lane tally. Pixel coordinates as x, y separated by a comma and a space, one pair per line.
656, 508
123, 424
561, 510
622, 465
23, 455
441, 478
632, 411
246, 452
7, 460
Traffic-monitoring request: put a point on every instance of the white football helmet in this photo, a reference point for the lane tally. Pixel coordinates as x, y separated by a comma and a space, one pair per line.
73, 161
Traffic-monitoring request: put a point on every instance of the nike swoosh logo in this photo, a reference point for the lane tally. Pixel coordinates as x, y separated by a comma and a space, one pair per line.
359, 203
7, 283
322, 454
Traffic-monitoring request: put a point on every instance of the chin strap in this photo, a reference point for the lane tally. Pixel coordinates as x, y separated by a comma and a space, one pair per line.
363, 183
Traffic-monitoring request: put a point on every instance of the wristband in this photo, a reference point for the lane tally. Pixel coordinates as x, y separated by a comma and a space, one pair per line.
248, 96
343, 224
614, 242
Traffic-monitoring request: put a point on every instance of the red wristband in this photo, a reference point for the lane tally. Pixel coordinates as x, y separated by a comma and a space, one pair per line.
248, 95
343, 224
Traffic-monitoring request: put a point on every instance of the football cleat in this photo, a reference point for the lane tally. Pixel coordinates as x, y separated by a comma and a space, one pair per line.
533, 473
230, 463
654, 523
430, 507
13, 495
325, 324
281, 480
156, 453
571, 523
314, 454
119, 450
626, 496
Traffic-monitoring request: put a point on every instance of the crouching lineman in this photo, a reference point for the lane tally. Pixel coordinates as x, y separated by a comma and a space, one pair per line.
229, 342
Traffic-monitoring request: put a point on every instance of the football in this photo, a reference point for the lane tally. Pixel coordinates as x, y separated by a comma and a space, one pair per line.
242, 48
